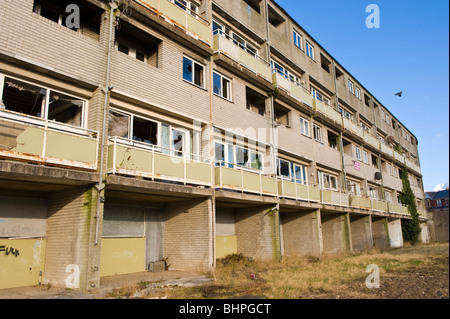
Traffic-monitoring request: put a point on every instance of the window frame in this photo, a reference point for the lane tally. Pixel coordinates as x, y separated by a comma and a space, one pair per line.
317, 133
46, 105
194, 63
322, 176
222, 79
351, 86
298, 40
310, 50
304, 125
358, 153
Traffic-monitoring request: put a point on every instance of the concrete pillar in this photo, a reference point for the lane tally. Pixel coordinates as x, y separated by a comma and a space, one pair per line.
257, 231
395, 233
72, 258
424, 234
188, 235
336, 232
361, 232
301, 233
380, 232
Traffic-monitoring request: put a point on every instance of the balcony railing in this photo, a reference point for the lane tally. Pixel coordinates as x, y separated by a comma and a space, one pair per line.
297, 191
244, 179
379, 205
34, 140
292, 88
371, 140
386, 149
360, 202
352, 127
328, 111
134, 158
182, 16
398, 209
224, 44
332, 197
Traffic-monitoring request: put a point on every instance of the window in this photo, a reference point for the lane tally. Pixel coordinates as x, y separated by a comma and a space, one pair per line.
297, 173
56, 11
298, 42
350, 86
387, 197
333, 140
374, 161
327, 181
304, 126
317, 133
365, 157
358, 92
193, 72
373, 192
358, 154
237, 156
248, 158
319, 96
365, 127
222, 86
244, 45
255, 102
354, 188
187, 6
30, 99
309, 50
390, 170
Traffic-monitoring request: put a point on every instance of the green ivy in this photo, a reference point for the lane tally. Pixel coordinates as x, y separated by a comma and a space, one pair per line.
411, 228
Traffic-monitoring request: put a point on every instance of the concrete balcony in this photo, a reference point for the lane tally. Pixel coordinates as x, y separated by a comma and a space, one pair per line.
182, 17
34, 140
412, 165
398, 209
230, 48
328, 111
371, 140
245, 180
399, 156
126, 157
379, 205
360, 202
296, 191
386, 149
336, 198
292, 89
352, 127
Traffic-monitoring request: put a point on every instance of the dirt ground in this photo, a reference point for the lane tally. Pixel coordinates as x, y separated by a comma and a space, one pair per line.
430, 282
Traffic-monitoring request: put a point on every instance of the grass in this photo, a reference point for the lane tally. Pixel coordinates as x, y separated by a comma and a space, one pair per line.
294, 277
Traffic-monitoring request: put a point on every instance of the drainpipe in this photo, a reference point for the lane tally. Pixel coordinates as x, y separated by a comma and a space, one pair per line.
341, 135
101, 185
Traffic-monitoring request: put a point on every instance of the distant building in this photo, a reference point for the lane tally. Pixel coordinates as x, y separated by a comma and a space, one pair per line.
437, 207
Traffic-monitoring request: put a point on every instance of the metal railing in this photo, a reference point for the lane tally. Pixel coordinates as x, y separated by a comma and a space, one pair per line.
129, 157
32, 139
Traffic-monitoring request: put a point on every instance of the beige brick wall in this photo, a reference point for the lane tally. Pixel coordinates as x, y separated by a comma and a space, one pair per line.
380, 232
188, 235
301, 233
257, 232
335, 233
70, 229
361, 232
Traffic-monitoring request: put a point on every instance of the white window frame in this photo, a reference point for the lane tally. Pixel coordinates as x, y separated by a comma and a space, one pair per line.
193, 72
373, 192
317, 132
132, 52
222, 79
358, 153
325, 179
292, 170
304, 127
45, 107
298, 40
366, 157
310, 50
351, 86
354, 188
358, 92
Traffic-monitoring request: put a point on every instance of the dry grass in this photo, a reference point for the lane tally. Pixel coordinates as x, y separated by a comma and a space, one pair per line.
295, 277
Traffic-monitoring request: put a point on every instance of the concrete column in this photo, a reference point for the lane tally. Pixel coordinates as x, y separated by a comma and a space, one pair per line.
361, 232
336, 232
380, 232
257, 231
188, 235
424, 235
301, 233
395, 233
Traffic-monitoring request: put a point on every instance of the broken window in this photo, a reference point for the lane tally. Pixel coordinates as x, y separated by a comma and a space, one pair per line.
333, 140
222, 86
89, 17
29, 99
118, 124
193, 72
145, 131
137, 44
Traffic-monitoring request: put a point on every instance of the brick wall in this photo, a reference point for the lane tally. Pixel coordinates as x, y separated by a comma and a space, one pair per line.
301, 235
335, 233
361, 232
188, 235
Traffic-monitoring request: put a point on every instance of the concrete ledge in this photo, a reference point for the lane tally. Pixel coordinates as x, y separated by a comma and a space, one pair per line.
137, 185
44, 174
243, 198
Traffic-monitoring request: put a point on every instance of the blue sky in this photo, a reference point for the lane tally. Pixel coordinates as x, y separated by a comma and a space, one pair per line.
409, 53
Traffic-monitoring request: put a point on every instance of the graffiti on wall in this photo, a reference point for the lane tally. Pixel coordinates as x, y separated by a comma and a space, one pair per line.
9, 251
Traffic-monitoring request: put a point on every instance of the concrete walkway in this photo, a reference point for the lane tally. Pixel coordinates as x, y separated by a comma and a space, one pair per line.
147, 281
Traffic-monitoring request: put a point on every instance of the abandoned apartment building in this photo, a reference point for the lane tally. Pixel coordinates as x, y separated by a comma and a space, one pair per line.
186, 130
